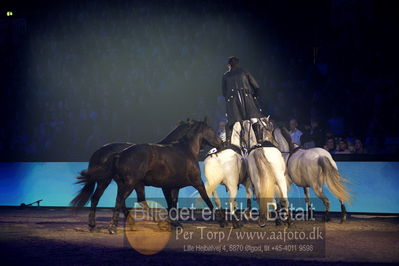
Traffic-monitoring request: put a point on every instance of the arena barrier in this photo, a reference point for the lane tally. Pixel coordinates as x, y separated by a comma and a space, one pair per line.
373, 184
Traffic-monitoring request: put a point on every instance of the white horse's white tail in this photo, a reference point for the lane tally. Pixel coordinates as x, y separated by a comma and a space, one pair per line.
335, 182
266, 180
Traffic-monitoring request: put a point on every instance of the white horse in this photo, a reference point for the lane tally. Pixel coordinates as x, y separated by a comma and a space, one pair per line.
312, 168
227, 167
267, 168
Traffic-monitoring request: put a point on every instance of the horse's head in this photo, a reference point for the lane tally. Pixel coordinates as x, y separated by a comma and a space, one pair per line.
283, 139
267, 129
181, 130
207, 134
266, 123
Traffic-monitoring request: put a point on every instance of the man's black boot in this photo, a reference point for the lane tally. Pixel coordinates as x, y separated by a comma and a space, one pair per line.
258, 133
228, 136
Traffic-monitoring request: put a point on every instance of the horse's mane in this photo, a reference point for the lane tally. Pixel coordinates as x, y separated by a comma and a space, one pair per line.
182, 128
193, 129
287, 137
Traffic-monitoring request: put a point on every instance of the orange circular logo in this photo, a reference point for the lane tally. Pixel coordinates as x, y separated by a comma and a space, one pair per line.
147, 230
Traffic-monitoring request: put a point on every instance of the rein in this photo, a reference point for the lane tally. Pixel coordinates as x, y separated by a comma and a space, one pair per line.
265, 144
294, 150
230, 147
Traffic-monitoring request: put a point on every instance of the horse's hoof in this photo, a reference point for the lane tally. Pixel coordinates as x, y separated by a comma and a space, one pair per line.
164, 226
131, 227
248, 215
223, 223
112, 229
343, 219
326, 219
238, 225
93, 229
176, 224
289, 223
278, 222
262, 224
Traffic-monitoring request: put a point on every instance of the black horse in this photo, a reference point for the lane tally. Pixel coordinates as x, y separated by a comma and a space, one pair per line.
100, 172
169, 167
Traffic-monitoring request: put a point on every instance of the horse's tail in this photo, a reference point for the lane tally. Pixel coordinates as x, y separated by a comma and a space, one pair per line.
85, 193
88, 178
335, 182
196, 194
267, 181
212, 172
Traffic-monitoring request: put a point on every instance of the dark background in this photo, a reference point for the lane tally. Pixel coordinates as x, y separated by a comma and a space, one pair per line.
78, 74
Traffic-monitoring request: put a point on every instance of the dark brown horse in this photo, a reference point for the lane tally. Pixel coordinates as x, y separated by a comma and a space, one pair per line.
100, 172
169, 167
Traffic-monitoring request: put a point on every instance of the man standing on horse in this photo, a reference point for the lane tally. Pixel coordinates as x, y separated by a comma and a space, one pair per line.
240, 90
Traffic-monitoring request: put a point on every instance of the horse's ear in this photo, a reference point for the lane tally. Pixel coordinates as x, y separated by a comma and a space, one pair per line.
205, 119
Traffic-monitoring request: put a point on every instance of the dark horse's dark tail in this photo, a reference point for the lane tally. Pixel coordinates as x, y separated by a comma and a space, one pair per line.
88, 178
85, 193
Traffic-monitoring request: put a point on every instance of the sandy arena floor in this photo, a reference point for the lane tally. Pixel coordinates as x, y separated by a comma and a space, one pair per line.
41, 236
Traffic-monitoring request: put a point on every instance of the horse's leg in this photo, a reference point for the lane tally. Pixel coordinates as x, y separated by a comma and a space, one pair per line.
343, 212
248, 213
212, 182
283, 195
140, 190
278, 203
141, 200
319, 192
163, 225
125, 209
307, 200
210, 188
168, 196
171, 196
217, 199
122, 194
101, 186
140, 197
233, 195
201, 189
175, 196
249, 196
